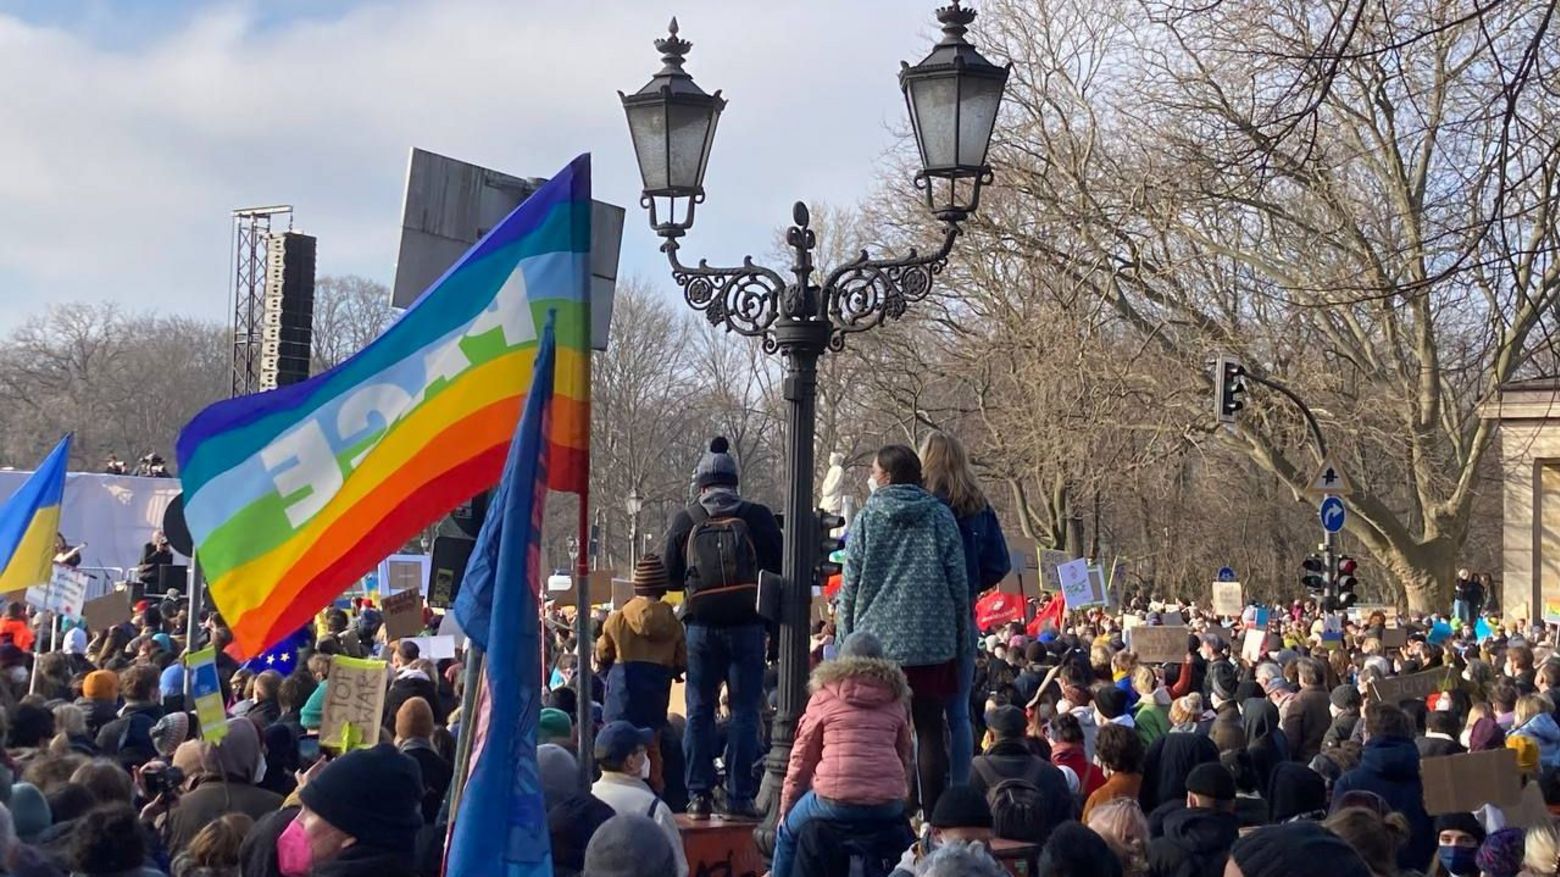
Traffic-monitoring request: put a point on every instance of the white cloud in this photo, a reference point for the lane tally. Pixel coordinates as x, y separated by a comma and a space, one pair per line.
118, 167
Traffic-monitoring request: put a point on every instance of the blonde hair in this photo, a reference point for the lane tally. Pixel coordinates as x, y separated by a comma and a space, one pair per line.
1531, 705
1143, 680
1124, 828
1186, 709
946, 472
1541, 851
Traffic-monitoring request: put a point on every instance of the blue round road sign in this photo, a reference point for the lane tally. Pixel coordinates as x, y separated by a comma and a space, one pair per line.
1332, 514
1226, 574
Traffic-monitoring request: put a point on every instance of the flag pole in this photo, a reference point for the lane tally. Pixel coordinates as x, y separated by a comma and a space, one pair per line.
584, 718
472, 679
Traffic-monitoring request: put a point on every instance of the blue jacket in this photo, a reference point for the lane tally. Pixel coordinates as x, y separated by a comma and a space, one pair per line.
1541, 729
1389, 766
905, 578
986, 557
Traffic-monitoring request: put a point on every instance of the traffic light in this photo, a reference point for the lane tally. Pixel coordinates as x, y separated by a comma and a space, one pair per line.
1346, 583
1229, 376
1314, 576
830, 546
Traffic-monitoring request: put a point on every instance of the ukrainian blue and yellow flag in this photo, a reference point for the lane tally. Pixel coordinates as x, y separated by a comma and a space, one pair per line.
29, 521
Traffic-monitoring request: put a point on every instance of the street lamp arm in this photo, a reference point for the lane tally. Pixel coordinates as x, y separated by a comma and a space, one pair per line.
864, 292
745, 300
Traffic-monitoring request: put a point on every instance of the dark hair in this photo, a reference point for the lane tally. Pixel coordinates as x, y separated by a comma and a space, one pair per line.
1443, 722
70, 801
106, 780
295, 691
1065, 728
31, 726
107, 840
1120, 749
1521, 656
139, 683
407, 650
900, 464
1386, 720
1503, 697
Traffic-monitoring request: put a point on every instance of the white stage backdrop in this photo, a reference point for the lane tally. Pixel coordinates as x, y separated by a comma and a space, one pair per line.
114, 514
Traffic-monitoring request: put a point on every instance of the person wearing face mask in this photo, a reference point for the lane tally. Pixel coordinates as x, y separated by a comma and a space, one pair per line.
623, 756
1458, 836
224, 781
360, 817
1344, 708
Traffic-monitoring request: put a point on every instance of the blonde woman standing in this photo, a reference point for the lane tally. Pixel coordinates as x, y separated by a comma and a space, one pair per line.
948, 475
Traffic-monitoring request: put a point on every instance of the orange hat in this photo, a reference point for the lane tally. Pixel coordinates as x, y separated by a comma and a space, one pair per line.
100, 685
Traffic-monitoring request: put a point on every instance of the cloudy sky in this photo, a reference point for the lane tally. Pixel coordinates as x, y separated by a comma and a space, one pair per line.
130, 130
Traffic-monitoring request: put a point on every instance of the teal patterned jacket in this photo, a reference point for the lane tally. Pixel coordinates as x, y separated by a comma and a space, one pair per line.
904, 578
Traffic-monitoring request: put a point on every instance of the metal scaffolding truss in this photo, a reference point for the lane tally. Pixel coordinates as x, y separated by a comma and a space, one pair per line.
251, 232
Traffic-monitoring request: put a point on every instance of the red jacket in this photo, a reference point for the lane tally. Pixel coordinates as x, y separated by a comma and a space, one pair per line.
841, 750
21, 634
1072, 755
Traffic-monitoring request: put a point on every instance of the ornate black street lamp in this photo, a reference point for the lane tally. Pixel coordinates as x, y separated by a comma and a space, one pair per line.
953, 97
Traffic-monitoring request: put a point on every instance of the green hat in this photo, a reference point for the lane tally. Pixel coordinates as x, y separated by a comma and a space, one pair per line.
555, 725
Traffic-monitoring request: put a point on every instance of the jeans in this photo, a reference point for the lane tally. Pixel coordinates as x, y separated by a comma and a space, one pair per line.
810, 807
961, 734
734, 656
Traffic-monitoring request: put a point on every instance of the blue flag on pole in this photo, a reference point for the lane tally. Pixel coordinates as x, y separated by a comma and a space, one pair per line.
500, 828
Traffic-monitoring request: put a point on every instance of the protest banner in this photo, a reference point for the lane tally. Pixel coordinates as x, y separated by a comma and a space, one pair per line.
1255, 643
107, 610
64, 593
1171, 619
354, 703
206, 691
1160, 645
1050, 559
1024, 572
403, 614
1394, 637
434, 648
1074, 577
1415, 686
1227, 599
1463, 783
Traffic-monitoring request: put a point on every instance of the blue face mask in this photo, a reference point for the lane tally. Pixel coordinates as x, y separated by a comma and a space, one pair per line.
1458, 860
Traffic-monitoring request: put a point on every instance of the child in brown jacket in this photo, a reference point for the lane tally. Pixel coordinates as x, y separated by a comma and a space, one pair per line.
641, 649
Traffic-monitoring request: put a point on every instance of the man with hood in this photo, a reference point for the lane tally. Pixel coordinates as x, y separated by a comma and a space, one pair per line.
715, 549
1197, 839
1389, 766
641, 648
221, 779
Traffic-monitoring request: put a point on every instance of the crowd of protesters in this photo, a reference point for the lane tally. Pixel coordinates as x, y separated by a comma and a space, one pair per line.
928, 746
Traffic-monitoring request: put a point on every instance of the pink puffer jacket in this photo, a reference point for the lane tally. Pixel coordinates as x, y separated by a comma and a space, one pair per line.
857, 706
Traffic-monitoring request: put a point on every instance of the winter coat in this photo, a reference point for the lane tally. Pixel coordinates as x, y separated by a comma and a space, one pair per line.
1541, 729
644, 647
99, 713
436, 775
1266, 742
1341, 730
1389, 766
1436, 747
1151, 721
905, 578
1118, 785
768, 544
986, 557
212, 800
842, 749
1072, 755
406, 686
1305, 721
625, 794
129, 737
1166, 765
1196, 843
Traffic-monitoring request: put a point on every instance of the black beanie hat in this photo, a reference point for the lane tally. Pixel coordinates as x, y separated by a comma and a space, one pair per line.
1296, 849
1075, 850
1221, 680
1211, 779
1295, 790
374, 795
1464, 822
1110, 701
961, 807
1346, 697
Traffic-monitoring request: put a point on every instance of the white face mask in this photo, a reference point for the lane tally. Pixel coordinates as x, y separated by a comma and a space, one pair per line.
872, 484
644, 768
19, 675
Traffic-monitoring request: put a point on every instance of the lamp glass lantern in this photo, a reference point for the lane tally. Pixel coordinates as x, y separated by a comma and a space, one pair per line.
634, 503
953, 97
672, 122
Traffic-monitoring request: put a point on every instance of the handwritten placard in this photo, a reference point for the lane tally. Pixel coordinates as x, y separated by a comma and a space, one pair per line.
403, 614
1415, 686
354, 703
107, 610
1159, 645
1227, 599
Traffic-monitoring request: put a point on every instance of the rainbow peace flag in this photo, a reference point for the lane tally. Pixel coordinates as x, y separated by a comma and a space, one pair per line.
29, 521
293, 494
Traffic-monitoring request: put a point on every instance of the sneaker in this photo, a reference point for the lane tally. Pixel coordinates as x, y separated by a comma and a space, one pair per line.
741, 809
699, 807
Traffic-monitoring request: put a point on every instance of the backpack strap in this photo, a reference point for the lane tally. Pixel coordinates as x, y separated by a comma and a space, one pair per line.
988, 774
655, 804
698, 513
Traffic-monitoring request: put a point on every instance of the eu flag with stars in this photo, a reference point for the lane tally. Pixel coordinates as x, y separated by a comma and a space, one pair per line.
282, 657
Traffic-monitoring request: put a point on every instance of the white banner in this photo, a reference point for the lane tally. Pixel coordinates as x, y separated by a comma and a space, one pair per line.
114, 514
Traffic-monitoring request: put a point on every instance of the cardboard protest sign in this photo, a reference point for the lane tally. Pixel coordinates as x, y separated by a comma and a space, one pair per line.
1024, 571
1394, 637
1074, 578
1255, 643
1171, 619
403, 614
1160, 645
1050, 559
1099, 595
354, 703
1530, 811
1415, 686
434, 648
1227, 599
107, 610
207, 693
622, 592
599, 591
1463, 783
64, 593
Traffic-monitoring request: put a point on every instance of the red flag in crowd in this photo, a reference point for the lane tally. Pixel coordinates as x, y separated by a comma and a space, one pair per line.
995, 608
1049, 615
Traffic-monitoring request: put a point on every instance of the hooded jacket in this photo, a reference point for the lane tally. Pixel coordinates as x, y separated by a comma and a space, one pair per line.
905, 578
226, 776
1074, 756
842, 749
1167, 764
768, 546
1389, 766
1196, 843
1541, 729
644, 647
1265, 740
